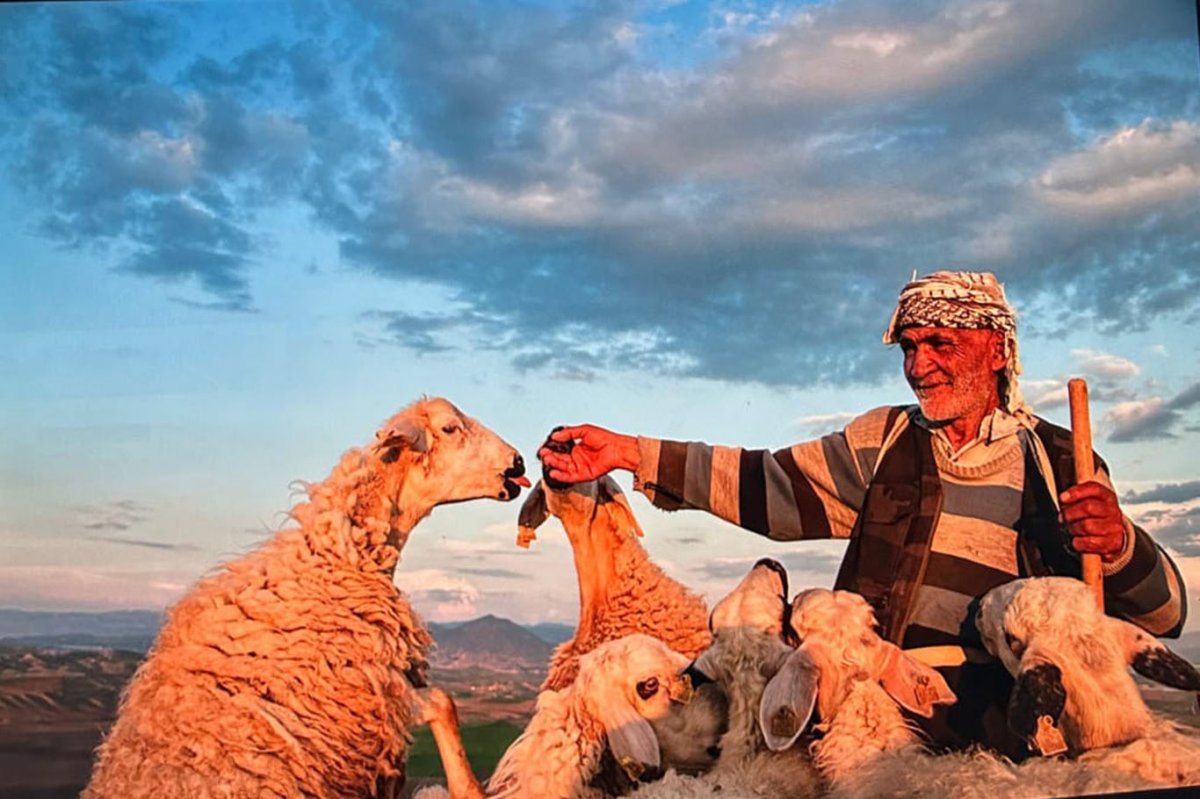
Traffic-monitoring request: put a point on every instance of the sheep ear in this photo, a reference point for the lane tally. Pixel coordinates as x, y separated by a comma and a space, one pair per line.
1151, 658
631, 739
533, 513
914, 685
404, 433
611, 498
788, 701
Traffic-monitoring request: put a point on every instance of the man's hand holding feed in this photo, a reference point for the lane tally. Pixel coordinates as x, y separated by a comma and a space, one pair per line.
596, 452
1093, 518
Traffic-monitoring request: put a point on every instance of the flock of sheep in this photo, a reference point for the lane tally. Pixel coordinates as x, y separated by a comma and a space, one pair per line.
299, 669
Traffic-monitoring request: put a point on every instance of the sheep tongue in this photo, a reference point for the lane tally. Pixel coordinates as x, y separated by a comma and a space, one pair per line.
521, 481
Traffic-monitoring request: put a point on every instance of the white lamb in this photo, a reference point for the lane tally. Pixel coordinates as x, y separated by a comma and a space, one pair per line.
1071, 665
752, 640
290, 671
856, 681
1068, 660
602, 716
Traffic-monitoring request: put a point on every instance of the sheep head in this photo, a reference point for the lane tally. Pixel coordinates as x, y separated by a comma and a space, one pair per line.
1070, 662
431, 453
838, 649
626, 683
590, 512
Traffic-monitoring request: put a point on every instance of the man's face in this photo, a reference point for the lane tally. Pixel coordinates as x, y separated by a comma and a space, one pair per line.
952, 371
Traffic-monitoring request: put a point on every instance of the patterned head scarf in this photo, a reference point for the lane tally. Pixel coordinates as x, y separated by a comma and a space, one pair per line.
970, 300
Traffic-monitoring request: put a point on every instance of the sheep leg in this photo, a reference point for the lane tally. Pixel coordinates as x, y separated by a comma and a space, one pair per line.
437, 710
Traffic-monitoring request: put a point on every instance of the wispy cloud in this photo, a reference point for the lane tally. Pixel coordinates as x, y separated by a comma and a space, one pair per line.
120, 515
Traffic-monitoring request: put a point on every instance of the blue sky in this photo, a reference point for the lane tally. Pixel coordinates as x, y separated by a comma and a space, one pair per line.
238, 235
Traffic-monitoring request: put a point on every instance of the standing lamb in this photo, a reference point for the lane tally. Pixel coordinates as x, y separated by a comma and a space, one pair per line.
603, 714
290, 671
621, 591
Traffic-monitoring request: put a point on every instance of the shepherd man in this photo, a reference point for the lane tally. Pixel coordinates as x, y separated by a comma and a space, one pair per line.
940, 501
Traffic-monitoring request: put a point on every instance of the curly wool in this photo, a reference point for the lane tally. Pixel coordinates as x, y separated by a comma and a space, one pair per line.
283, 674
289, 671
638, 596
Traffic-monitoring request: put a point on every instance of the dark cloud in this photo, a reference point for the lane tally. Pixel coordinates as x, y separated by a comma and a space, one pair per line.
1182, 533
119, 515
144, 543
1155, 418
1166, 492
798, 562
505, 574
748, 218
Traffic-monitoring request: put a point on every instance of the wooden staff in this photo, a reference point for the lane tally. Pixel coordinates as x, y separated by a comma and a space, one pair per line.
1085, 470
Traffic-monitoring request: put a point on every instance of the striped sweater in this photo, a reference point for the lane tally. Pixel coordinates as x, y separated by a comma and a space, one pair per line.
815, 489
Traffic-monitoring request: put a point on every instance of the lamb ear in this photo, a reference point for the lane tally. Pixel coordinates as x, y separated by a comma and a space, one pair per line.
533, 513
788, 701
404, 433
630, 737
914, 685
1151, 658
611, 498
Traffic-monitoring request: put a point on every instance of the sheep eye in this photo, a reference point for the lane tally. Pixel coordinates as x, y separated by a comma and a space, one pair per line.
647, 688
450, 429
1014, 644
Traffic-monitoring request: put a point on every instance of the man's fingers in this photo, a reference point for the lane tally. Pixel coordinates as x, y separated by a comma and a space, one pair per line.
1094, 526
1087, 509
1094, 543
1086, 490
567, 432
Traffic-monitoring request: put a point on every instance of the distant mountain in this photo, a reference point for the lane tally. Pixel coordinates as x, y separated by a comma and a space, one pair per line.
488, 642
119, 629
552, 632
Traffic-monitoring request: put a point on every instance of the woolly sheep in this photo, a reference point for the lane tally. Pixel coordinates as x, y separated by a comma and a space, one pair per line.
1071, 665
621, 591
1057, 619
752, 639
855, 680
602, 715
289, 672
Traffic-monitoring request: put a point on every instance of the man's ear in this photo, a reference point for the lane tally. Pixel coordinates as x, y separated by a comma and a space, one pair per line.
1000, 353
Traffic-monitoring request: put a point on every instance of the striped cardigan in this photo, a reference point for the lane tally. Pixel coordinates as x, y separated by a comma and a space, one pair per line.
815, 489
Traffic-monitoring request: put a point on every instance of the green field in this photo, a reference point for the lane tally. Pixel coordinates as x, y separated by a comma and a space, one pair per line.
485, 742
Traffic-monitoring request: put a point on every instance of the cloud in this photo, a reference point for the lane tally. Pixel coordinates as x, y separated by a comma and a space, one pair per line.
730, 570
1104, 365
824, 422
744, 211
503, 574
1179, 529
144, 543
1166, 492
440, 595
120, 515
1152, 418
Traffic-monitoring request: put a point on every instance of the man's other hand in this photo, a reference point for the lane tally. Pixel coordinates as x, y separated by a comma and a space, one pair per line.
597, 452
1093, 518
